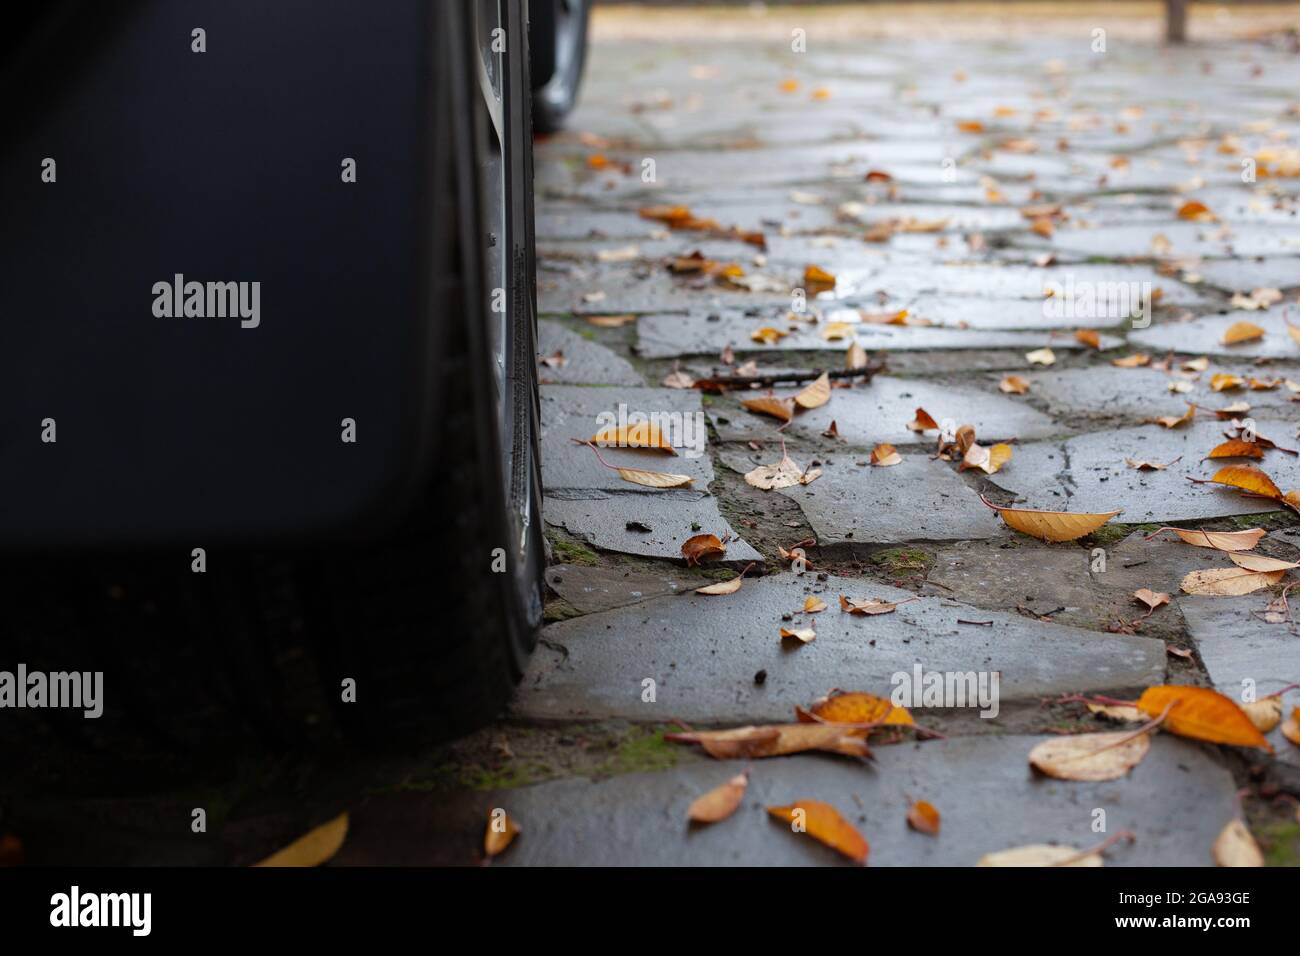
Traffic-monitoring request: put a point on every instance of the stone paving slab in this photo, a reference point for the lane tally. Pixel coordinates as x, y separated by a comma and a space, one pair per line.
1204, 336
881, 410
1185, 239
570, 412
703, 653
677, 335
856, 504
584, 362
1236, 645
1176, 801
592, 589
1088, 474
1282, 272
615, 521
1142, 393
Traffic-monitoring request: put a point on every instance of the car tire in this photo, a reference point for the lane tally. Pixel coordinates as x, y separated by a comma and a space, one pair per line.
560, 28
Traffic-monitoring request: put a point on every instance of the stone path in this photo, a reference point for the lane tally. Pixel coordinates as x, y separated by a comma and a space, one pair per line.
1069, 182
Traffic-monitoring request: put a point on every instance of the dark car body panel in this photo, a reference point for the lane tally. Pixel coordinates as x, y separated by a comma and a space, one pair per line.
221, 166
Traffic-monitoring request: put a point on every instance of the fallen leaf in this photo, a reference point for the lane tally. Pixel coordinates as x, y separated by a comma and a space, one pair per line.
768, 335
835, 331
1052, 525
823, 822
720, 802
1125, 713
701, 546
1136, 360
923, 817
314, 847
816, 279
1228, 582
1147, 465
813, 604
805, 635
1202, 714
1222, 382
1041, 854
1196, 212
872, 606
1259, 562
987, 460
776, 740
501, 832
1240, 332
1291, 729
1013, 385
781, 408
1248, 479
725, 587
923, 422
610, 321
970, 126
639, 435
1169, 421
784, 474
1235, 846
1236, 448
855, 357
1088, 337
1043, 356
1219, 540
815, 395
654, 479
1265, 713
885, 455
859, 707
1152, 599
1091, 757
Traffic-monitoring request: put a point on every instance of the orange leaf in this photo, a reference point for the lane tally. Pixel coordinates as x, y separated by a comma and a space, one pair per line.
720, 802
776, 740
701, 546
500, 833
859, 707
639, 435
823, 822
1202, 714
1196, 212
924, 817
1248, 479
885, 455
1053, 525
1237, 448
1242, 332
923, 422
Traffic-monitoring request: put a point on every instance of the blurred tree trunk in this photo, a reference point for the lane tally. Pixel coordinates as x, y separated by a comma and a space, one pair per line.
1175, 21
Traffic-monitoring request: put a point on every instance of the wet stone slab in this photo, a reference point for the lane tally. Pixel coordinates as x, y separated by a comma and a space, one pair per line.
1281, 272
572, 359
1204, 336
1142, 393
591, 589
704, 652
1237, 646
881, 410
1185, 239
856, 504
618, 521
1089, 474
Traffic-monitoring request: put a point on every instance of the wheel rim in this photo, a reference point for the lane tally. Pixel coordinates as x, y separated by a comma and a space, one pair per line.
570, 17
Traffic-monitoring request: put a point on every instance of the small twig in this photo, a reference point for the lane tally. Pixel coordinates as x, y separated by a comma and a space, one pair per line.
793, 377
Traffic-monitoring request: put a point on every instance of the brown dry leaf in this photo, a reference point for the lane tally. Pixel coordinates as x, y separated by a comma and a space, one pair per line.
987, 460
1197, 365
501, 832
813, 604
678, 379
1091, 757
923, 817
725, 587
1219, 540
638, 435
816, 280
776, 740
314, 847
1235, 846
1152, 599
970, 126
855, 357
768, 335
1223, 381
1196, 212
1088, 337
816, 394
654, 479
610, 321
1265, 713
871, 606
720, 802
1291, 729
700, 547
1228, 582
1240, 332
1147, 465
781, 408
1136, 360
1041, 854
923, 422
784, 474
804, 635
858, 707
1237, 448
1259, 562
1248, 479
1202, 714
1232, 411
1013, 385
885, 455
1043, 356
1169, 421
823, 822
1053, 525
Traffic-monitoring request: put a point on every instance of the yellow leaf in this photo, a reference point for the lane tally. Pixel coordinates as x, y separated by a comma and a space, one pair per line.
815, 395
858, 707
654, 479
1235, 846
314, 847
1041, 854
1291, 729
701, 546
782, 408
1042, 356
923, 817
855, 357
987, 460
501, 832
812, 604
1248, 479
1222, 381
776, 740
1053, 525
885, 455
823, 822
1242, 332
1135, 360
834, 331
1088, 337
768, 335
805, 635
1228, 582
1259, 562
639, 435
720, 802
1202, 714
817, 279
1090, 756
1265, 713
1237, 448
